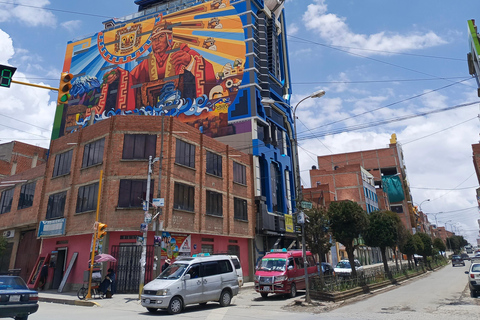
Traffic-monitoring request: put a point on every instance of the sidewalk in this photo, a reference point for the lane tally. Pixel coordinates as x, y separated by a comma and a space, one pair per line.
70, 298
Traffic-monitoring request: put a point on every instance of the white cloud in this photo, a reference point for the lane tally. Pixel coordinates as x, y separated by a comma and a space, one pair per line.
71, 25
29, 12
335, 30
292, 29
26, 113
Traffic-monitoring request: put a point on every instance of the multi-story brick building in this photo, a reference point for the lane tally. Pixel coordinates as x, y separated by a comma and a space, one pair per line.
379, 163
16, 157
207, 189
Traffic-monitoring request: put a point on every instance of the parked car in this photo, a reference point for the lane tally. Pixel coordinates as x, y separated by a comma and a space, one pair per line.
16, 299
456, 259
474, 279
465, 256
190, 280
344, 270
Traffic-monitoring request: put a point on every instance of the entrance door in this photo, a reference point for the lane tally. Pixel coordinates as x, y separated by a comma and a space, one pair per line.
59, 268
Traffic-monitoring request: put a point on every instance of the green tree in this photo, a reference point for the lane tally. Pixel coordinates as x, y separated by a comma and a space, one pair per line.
426, 251
348, 221
439, 245
382, 233
317, 233
3, 245
407, 246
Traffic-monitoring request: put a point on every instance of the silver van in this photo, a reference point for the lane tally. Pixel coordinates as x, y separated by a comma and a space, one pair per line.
192, 280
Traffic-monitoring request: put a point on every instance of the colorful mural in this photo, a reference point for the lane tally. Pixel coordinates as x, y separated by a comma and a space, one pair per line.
188, 64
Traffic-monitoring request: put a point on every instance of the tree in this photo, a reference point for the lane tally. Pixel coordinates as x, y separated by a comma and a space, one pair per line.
439, 245
382, 233
408, 246
348, 221
426, 251
3, 245
317, 234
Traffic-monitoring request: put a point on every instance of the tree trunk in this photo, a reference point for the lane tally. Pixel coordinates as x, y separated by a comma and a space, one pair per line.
385, 262
351, 259
320, 260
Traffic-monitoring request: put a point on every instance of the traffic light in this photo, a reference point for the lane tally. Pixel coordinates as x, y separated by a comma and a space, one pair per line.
64, 88
6, 74
101, 230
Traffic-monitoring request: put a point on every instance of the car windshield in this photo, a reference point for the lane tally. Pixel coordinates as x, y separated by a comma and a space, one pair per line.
174, 271
7, 283
343, 264
272, 264
455, 257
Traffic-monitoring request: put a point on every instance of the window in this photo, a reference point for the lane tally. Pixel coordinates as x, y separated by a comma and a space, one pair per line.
214, 203
184, 197
207, 248
56, 205
63, 163
6, 201
185, 154
87, 198
214, 164
240, 209
133, 192
26, 195
239, 173
224, 266
93, 153
210, 268
139, 146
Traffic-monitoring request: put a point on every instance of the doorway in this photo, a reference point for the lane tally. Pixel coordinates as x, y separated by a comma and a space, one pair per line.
59, 267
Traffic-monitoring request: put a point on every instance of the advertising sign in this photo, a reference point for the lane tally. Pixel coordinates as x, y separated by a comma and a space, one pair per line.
174, 245
289, 223
51, 227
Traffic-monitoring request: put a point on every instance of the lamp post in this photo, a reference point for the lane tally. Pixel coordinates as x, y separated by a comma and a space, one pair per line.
420, 205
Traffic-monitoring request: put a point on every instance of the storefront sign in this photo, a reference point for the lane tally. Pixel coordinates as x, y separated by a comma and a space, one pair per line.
174, 245
288, 223
51, 227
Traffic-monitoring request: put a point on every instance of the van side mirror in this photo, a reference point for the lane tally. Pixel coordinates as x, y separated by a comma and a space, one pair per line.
187, 276
290, 267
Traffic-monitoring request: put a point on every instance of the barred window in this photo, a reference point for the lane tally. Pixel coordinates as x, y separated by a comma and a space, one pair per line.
239, 173
63, 162
214, 203
139, 146
214, 164
184, 197
56, 205
240, 209
185, 154
6, 201
132, 193
87, 198
26, 195
93, 153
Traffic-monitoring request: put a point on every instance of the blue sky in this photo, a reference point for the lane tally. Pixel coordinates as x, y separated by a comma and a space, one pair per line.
377, 61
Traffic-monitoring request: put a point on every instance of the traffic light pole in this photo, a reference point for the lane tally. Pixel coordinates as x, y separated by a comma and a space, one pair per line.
92, 255
35, 85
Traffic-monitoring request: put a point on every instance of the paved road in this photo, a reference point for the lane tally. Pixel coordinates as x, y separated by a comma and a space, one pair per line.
439, 295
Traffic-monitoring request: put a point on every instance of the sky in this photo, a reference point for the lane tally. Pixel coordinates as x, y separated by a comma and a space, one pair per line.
386, 67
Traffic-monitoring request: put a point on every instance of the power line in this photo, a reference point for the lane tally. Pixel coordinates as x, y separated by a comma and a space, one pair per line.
56, 10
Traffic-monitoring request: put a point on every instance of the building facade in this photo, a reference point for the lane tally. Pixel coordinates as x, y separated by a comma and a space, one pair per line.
220, 66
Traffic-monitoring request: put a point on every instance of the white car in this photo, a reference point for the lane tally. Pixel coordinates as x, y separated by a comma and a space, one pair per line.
474, 279
344, 270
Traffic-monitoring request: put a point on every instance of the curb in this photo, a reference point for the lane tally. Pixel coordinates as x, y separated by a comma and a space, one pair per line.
69, 302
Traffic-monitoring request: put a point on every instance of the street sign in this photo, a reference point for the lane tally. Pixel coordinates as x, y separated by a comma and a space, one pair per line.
158, 202
306, 204
300, 217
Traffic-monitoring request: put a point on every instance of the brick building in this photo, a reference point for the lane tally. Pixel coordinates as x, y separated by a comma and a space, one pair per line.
16, 157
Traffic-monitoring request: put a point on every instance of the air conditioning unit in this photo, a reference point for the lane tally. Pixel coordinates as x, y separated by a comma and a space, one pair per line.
9, 234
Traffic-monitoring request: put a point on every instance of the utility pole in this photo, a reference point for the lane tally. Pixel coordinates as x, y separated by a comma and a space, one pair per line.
156, 249
143, 259
302, 220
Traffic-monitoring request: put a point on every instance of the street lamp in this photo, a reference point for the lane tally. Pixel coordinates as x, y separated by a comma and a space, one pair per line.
420, 205
316, 94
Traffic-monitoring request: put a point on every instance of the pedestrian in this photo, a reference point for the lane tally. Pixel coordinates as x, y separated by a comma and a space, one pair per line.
108, 284
43, 277
166, 264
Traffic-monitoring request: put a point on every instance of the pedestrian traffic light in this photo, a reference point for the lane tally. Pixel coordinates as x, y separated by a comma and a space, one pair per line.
64, 88
101, 230
6, 74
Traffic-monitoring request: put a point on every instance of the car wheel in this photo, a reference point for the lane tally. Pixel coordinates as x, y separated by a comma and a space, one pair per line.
152, 310
264, 295
225, 298
175, 306
473, 294
21, 318
293, 291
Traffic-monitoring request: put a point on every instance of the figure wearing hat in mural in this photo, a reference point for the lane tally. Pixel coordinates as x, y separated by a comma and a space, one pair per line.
169, 59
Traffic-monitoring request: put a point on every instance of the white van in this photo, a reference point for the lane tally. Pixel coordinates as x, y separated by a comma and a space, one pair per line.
190, 280
238, 269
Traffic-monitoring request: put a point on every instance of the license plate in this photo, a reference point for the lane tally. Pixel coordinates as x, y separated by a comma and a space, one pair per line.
267, 288
15, 298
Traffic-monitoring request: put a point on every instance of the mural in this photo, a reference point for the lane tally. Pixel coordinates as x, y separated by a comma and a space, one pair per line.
188, 64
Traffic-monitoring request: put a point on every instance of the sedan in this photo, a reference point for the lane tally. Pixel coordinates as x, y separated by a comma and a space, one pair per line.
474, 279
16, 299
465, 256
344, 270
456, 259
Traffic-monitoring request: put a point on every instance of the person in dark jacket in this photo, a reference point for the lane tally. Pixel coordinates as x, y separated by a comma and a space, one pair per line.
166, 264
108, 284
